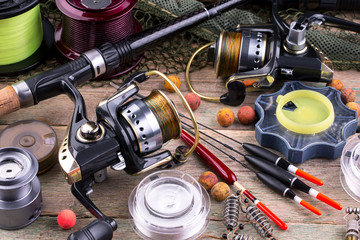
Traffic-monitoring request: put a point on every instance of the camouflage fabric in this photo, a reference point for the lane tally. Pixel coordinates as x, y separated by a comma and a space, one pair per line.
171, 56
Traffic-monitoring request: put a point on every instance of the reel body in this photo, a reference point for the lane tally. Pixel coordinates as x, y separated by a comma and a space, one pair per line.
265, 54
252, 57
122, 137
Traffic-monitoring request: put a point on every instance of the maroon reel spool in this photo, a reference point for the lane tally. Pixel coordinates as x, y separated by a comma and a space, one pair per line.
87, 24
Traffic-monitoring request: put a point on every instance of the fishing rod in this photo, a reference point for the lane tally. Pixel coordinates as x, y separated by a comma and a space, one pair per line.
268, 180
267, 155
279, 173
103, 60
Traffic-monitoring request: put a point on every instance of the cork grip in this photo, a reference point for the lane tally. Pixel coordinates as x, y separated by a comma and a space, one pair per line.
9, 101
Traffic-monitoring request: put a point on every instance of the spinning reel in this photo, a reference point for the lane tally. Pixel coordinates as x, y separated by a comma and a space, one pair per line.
253, 56
123, 136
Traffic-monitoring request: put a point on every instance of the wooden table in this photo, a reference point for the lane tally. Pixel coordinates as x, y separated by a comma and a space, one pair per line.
112, 195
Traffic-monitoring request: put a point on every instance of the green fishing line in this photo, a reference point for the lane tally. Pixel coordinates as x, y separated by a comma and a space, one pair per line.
20, 36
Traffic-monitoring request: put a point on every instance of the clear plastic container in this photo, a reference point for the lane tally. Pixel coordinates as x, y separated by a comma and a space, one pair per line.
350, 167
169, 205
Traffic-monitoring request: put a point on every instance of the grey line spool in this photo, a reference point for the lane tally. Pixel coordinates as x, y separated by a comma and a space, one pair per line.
20, 192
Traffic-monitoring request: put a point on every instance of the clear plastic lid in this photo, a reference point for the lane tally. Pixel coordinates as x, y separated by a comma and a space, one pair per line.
350, 167
169, 205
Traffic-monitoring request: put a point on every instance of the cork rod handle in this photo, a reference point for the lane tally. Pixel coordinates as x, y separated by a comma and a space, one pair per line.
9, 101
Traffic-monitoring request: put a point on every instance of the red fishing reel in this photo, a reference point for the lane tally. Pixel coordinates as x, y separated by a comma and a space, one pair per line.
88, 24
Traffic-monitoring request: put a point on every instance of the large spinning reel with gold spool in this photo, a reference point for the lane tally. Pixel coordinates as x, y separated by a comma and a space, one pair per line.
125, 133
252, 57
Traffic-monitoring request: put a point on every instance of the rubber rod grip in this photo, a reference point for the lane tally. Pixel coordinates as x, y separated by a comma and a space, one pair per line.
9, 101
96, 230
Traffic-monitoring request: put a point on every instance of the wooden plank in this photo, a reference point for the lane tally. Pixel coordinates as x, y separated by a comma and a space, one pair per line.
112, 195
46, 228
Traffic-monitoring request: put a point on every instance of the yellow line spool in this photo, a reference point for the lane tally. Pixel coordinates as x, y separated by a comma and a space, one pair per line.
20, 36
25, 39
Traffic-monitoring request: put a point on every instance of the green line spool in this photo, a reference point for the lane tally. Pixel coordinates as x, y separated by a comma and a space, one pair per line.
25, 37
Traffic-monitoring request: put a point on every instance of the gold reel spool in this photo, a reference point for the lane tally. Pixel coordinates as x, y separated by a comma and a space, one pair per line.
227, 60
167, 115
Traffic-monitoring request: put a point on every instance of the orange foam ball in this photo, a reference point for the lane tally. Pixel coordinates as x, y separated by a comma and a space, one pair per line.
354, 106
220, 191
66, 219
246, 115
347, 95
225, 117
337, 84
193, 100
208, 180
175, 79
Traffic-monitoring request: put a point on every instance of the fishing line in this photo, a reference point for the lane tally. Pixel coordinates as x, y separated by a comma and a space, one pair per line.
25, 37
222, 151
165, 113
228, 53
265, 154
224, 144
213, 130
20, 36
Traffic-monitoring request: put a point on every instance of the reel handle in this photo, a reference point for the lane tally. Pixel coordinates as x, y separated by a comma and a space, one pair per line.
101, 228
97, 229
256, 80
